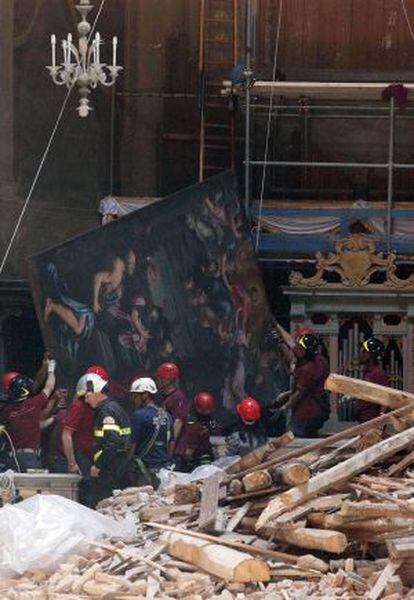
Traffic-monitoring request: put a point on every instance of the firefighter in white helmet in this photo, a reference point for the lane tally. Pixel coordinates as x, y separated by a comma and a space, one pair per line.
112, 433
152, 429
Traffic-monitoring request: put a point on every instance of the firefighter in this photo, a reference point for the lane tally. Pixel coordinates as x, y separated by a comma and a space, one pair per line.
307, 399
370, 356
112, 433
175, 401
25, 412
97, 370
152, 428
248, 432
198, 446
7, 379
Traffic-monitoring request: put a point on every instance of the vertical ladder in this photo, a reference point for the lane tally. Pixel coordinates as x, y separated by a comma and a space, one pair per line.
217, 56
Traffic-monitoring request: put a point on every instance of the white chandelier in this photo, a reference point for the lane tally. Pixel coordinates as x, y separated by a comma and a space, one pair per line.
82, 65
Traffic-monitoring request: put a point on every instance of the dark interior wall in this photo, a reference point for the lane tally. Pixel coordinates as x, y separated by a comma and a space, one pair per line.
364, 35
336, 40
320, 39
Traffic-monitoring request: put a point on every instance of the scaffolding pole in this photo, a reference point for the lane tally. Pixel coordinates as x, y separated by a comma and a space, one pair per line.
390, 191
247, 82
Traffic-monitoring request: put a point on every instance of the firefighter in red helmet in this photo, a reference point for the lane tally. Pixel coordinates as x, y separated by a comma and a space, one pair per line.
7, 379
249, 432
199, 450
175, 401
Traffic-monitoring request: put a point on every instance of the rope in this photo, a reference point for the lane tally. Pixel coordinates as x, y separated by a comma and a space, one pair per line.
12, 449
407, 18
43, 159
269, 123
112, 142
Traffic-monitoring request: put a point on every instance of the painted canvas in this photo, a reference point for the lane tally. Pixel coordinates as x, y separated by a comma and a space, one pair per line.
177, 280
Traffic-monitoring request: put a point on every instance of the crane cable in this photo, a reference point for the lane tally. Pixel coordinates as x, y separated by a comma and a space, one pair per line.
269, 124
44, 156
407, 18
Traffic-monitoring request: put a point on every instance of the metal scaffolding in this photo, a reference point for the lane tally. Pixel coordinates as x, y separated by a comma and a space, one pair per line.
303, 92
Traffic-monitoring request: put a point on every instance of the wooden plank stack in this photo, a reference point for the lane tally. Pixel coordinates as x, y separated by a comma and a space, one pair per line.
334, 519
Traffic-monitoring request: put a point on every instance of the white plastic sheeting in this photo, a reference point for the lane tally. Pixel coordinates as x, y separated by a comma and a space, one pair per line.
40, 531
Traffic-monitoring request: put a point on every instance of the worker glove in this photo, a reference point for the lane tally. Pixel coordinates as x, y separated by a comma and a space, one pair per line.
51, 366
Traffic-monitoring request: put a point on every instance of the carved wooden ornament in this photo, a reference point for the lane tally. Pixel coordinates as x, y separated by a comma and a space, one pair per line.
355, 260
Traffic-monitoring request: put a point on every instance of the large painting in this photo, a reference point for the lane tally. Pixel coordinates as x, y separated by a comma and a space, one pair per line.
177, 280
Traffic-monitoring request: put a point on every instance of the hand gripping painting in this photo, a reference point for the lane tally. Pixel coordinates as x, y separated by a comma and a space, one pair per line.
174, 281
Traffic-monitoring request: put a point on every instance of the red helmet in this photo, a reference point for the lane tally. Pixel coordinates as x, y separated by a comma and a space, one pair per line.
168, 370
249, 409
97, 370
204, 403
300, 331
7, 379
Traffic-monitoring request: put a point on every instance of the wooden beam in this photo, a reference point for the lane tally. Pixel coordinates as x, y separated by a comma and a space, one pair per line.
302, 537
335, 475
373, 510
256, 457
258, 480
370, 392
293, 473
346, 433
281, 556
227, 563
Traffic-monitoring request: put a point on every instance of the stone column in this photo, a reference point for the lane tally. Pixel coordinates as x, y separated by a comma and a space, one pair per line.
6, 98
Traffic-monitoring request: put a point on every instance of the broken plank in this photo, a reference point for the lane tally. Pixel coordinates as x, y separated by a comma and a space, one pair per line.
209, 500
401, 548
235, 520
379, 586
335, 475
315, 505
365, 489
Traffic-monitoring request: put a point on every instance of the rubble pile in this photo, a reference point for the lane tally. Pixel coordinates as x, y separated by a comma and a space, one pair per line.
334, 519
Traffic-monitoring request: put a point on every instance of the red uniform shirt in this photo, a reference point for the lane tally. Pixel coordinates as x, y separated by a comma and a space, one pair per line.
310, 376
177, 405
365, 411
198, 439
79, 419
23, 421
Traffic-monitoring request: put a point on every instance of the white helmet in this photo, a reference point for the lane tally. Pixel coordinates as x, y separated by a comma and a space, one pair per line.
143, 384
91, 382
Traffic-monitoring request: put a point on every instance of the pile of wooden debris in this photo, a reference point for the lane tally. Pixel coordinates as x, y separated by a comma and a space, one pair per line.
334, 519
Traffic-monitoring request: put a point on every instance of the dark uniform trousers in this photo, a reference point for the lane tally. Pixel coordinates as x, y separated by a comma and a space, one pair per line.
112, 432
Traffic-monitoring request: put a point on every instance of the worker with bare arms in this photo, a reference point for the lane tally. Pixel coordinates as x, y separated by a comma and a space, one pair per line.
26, 410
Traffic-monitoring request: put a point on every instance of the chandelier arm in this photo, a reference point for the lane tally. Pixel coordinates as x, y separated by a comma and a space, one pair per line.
73, 50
